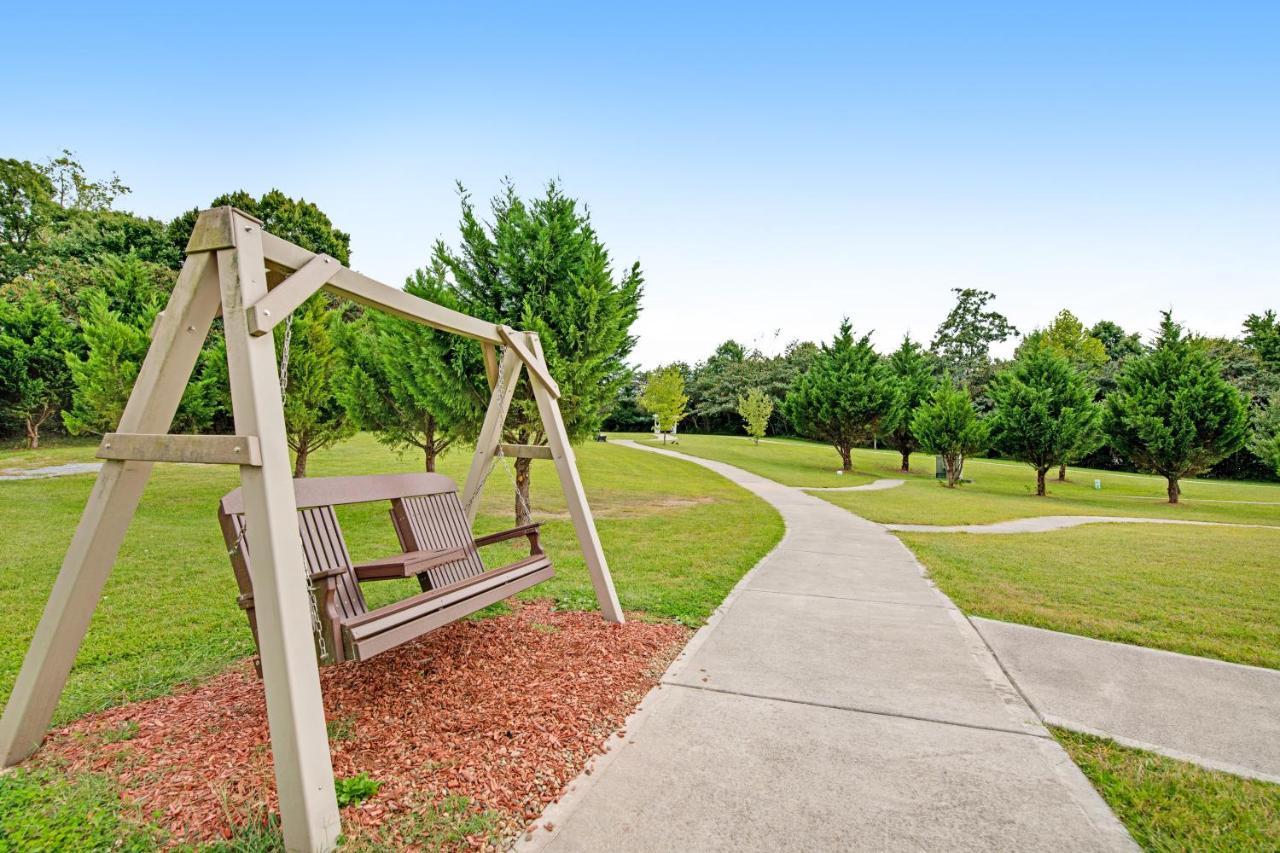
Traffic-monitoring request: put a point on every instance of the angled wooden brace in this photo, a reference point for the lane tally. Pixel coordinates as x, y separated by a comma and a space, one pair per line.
491, 431
288, 295
537, 366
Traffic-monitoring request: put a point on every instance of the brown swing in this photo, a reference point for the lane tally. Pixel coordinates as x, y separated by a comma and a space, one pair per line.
438, 550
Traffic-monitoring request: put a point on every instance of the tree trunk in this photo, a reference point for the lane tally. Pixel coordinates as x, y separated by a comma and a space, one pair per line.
953, 473
906, 460
1174, 489
846, 458
1062, 473
429, 454
33, 434
522, 491
1040, 472
300, 461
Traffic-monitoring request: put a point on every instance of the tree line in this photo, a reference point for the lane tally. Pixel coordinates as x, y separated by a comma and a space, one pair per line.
81, 283
1179, 406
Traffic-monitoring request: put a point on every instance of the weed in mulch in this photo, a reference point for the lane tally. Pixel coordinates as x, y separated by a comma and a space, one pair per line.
470, 732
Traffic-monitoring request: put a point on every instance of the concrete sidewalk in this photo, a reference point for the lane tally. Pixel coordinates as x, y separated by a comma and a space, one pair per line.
1219, 715
837, 700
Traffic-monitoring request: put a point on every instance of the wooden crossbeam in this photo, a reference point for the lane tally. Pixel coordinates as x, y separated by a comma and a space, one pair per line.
515, 341
286, 296
526, 451
203, 449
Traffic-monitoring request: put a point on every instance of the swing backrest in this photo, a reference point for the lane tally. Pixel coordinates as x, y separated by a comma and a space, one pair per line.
437, 522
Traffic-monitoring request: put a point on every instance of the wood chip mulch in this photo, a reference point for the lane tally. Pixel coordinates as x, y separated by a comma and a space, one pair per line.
505, 711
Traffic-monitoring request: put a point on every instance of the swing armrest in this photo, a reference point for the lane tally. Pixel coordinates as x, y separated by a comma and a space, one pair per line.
529, 530
406, 565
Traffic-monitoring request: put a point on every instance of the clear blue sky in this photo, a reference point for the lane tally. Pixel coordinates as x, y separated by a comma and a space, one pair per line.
772, 167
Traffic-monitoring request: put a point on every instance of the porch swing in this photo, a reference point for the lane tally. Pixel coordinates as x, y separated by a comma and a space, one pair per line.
256, 280
433, 529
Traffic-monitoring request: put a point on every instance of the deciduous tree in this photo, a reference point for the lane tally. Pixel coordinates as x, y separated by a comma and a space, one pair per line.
756, 407
1044, 412
1172, 413
963, 341
664, 398
843, 396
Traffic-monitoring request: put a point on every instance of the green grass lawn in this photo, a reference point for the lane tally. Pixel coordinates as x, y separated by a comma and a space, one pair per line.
1171, 805
677, 536
1000, 489
1213, 592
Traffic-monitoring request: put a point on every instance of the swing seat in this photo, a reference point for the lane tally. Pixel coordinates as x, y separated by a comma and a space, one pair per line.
438, 550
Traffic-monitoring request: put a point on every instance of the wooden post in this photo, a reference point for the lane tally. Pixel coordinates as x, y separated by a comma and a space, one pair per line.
179, 333
290, 674
567, 468
491, 432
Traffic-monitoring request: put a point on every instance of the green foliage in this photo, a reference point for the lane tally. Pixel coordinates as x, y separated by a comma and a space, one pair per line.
1265, 443
716, 384
314, 416
35, 382
296, 220
355, 789
963, 341
26, 206
44, 810
664, 397
756, 408
1044, 412
1067, 337
1172, 412
912, 382
392, 387
843, 396
1262, 335
948, 426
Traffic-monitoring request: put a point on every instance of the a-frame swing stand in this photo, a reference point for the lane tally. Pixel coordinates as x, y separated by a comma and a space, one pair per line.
256, 280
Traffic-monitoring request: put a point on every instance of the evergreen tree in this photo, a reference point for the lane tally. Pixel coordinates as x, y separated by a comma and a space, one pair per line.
314, 416
843, 396
755, 408
664, 398
912, 383
948, 426
35, 382
1172, 413
540, 266
1044, 412
1266, 438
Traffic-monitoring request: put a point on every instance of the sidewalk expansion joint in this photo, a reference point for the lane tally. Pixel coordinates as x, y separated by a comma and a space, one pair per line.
856, 710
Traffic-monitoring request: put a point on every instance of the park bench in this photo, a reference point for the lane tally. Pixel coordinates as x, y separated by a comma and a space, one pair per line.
437, 549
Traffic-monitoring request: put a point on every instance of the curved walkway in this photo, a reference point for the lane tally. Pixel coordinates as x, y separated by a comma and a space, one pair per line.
1045, 523
837, 700
874, 486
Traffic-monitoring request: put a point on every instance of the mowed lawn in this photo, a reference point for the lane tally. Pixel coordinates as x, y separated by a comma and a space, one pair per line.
999, 489
1213, 592
677, 537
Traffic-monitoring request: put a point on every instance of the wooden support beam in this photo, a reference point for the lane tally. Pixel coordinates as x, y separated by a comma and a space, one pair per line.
575, 497
537, 367
490, 364
367, 291
285, 298
526, 451
491, 432
290, 673
203, 449
176, 345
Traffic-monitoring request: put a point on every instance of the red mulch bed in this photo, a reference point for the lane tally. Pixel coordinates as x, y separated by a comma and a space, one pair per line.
505, 711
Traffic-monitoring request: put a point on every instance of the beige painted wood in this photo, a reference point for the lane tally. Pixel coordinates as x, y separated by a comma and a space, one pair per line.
490, 364
536, 365
491, 432
111, 505
203, 449
526, 451
367, 291
575, 497
290, 673
286, 296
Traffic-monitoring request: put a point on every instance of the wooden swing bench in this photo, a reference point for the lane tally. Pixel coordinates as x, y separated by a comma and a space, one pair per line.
437, 549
